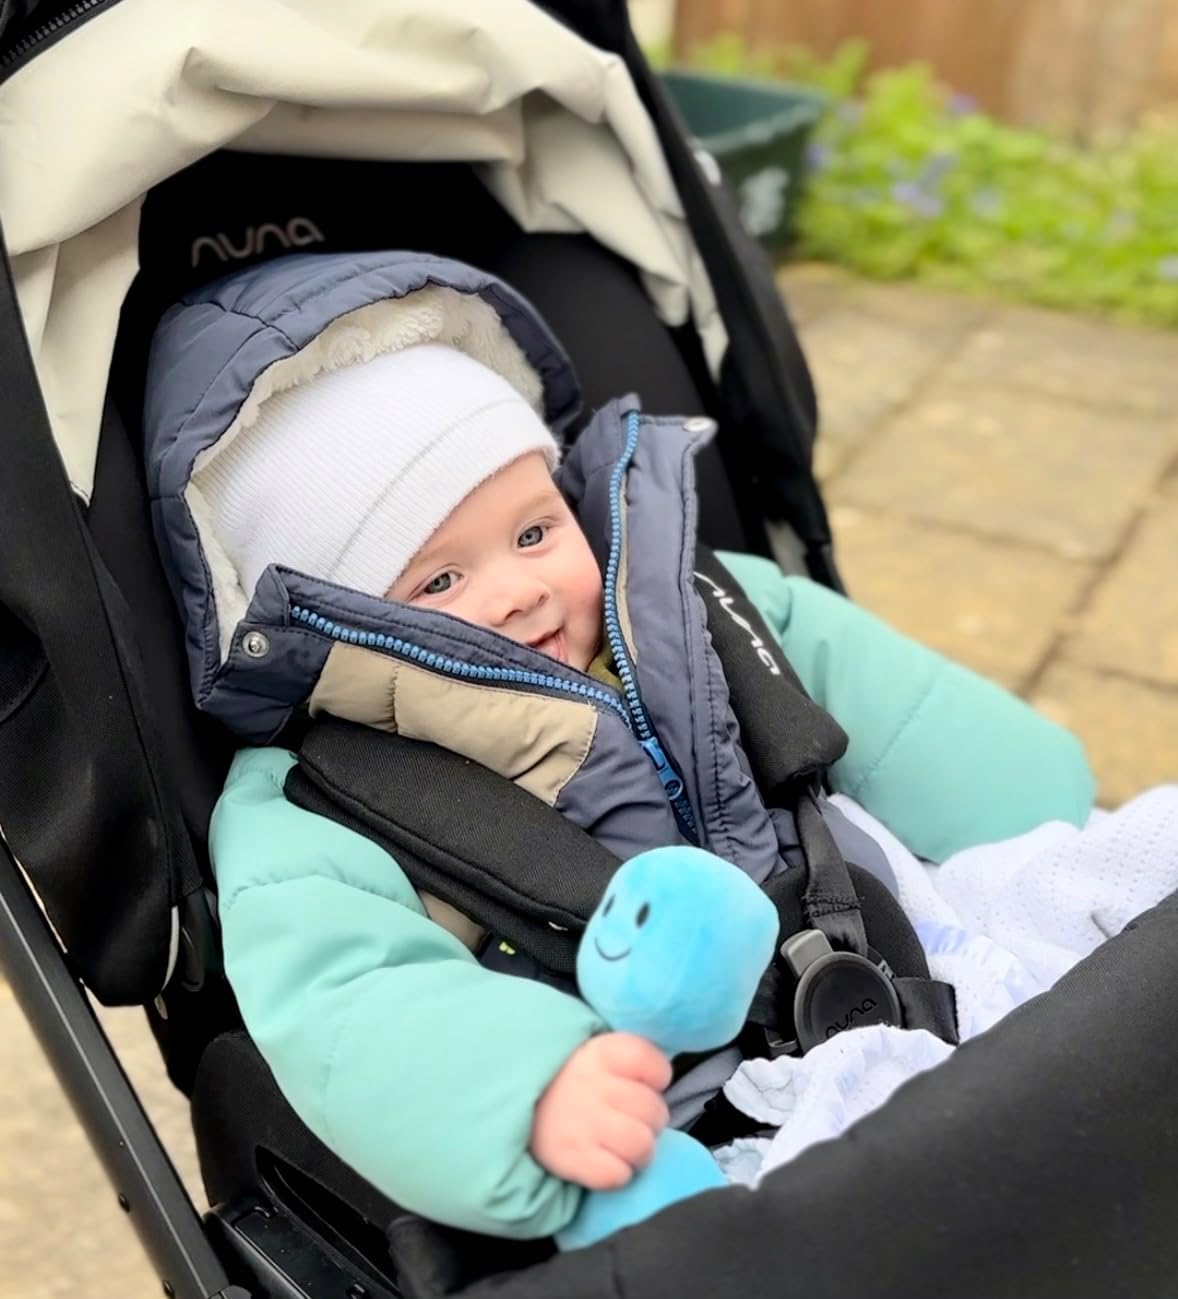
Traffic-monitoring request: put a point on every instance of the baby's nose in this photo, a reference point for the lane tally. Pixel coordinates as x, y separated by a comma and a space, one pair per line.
516, 596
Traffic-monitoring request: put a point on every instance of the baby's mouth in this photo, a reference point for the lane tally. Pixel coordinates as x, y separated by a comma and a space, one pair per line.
552, 645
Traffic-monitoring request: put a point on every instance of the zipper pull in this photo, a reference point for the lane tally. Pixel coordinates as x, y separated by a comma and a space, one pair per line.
670, 778
672, 784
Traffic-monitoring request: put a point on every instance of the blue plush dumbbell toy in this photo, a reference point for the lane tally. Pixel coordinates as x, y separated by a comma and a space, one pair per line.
674, 953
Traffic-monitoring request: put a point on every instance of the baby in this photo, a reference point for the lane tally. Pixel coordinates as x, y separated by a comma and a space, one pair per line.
351, 462
512, 558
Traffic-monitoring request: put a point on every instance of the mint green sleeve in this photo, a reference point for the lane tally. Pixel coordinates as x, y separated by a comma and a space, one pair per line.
414, 1063
944, 758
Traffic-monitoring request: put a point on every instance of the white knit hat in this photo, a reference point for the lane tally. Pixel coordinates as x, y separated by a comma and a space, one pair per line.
346, 477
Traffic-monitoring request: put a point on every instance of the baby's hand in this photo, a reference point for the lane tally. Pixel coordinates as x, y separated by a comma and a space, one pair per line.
597, 1121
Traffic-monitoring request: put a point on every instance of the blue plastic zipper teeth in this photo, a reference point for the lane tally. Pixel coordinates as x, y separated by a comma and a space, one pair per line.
672, 782
454, 667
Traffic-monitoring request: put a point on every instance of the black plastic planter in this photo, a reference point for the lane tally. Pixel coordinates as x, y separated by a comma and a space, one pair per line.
757, 132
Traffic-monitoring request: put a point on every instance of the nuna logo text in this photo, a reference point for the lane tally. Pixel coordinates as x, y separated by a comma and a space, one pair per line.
298, 232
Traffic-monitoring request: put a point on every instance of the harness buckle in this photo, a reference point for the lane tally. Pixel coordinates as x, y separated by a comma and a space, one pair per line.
835, 991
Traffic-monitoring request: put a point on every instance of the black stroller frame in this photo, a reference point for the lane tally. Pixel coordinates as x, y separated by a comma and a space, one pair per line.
148, 1187
1101, 1232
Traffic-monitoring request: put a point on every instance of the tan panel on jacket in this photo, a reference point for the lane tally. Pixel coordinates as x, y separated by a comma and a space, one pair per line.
536, 741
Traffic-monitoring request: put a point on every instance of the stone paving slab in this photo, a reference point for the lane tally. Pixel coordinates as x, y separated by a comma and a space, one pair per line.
1013, 465
943, 318
1130, 728
889, 361
1131, 623
811, 288
997, 604
891, 341
62, 1234
1114, 367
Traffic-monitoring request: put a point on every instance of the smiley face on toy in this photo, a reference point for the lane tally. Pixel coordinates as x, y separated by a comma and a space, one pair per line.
675, 949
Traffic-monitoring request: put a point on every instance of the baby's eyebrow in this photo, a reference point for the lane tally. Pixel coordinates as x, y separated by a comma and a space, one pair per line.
427, 557
537, 499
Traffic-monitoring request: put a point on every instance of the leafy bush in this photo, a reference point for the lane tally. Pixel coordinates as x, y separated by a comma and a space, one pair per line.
908, 180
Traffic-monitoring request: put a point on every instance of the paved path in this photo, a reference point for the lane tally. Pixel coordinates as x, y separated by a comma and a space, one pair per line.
62, 1234
1003, 485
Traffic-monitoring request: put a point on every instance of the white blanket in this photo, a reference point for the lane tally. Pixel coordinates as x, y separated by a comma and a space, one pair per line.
1001, 923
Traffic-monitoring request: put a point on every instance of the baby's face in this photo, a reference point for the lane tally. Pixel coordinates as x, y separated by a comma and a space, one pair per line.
514, 559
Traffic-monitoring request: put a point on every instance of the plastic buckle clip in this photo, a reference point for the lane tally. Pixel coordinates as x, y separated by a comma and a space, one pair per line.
835, 990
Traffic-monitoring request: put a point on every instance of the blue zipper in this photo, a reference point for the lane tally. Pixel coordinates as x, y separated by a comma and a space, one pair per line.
454, 667
631, 712
672, 782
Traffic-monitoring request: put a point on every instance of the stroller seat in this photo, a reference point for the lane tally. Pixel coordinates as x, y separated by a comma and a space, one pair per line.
1037, 1162
247, 1135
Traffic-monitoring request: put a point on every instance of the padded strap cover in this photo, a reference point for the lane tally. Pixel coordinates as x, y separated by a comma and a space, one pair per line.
788, 739
461, 832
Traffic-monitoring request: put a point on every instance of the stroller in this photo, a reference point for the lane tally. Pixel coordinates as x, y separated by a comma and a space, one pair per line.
532, 141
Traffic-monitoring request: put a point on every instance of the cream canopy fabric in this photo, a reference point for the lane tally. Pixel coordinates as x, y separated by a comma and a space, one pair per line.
149, 86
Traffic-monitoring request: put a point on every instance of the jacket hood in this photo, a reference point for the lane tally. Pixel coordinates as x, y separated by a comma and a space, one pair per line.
221, 352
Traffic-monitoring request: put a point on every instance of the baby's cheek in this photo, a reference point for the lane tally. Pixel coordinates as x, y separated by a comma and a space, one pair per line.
591, 601
586, 609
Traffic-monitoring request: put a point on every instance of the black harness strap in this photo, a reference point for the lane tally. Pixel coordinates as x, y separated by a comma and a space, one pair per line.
830, 900
789, 741
929, 1004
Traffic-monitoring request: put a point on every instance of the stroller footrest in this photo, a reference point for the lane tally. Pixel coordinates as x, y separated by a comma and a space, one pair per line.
275, 1256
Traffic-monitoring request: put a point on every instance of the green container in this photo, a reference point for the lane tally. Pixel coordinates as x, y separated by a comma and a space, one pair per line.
757, 133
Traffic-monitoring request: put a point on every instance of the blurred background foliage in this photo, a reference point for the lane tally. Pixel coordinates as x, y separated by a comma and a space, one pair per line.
907, 179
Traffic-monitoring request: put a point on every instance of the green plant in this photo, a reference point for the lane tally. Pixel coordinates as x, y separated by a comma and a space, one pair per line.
912, 182
907, 180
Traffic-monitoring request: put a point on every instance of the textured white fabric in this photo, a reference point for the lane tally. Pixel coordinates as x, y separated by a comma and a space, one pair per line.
346, 477
818, 1095
1056, 894
1001, 923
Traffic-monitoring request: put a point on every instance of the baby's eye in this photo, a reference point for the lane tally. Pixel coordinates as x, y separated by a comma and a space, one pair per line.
438, 585
532, 536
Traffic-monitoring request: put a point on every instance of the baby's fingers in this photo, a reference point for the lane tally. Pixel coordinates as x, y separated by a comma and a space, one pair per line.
626, 1138
639, 1101
633, 1057
599, 1169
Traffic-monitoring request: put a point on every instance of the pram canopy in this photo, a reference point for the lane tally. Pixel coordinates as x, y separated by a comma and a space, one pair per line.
147, 145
